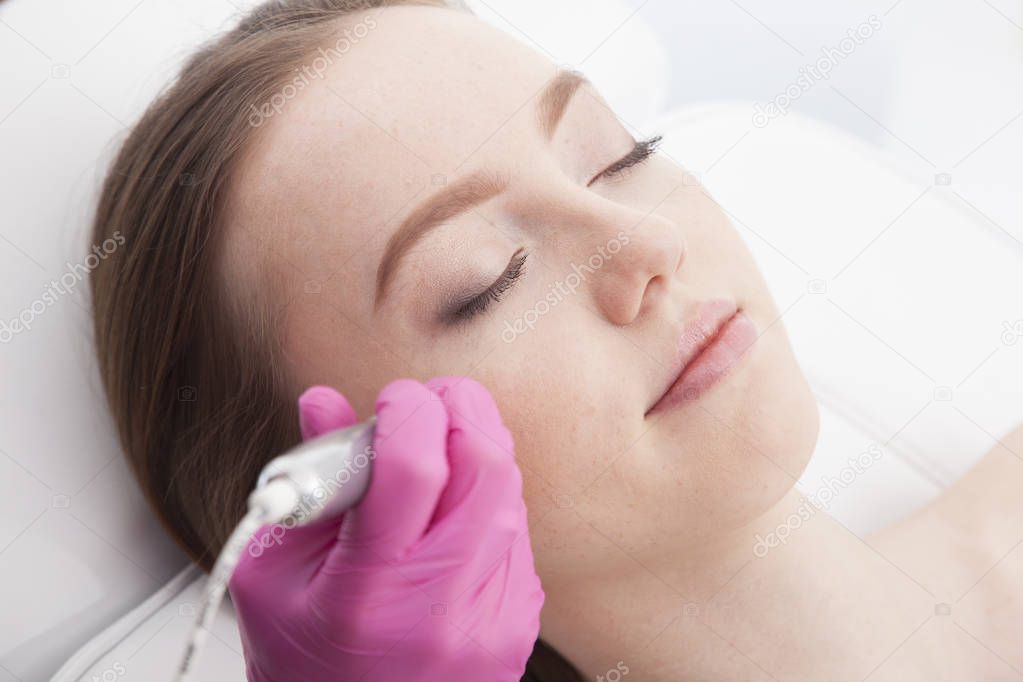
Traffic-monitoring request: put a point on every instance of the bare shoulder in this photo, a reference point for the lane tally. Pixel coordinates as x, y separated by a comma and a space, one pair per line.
989, 495
968, 528
1014, 441
1001, 469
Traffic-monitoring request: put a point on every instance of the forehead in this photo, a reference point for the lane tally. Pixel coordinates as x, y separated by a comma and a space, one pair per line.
425, 95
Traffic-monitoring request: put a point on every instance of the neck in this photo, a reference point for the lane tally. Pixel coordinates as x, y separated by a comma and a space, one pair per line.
772, 599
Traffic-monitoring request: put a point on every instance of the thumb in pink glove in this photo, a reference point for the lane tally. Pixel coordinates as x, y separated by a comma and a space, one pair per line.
430, 577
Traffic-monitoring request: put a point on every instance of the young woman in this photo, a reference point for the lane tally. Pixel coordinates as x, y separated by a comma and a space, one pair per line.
344, 193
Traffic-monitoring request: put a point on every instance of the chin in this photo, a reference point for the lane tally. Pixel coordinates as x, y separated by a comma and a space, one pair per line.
781, 423
715, 463
762, 424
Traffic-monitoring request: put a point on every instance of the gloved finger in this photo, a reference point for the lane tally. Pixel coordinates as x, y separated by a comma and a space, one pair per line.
482, 502
321, 410
410, 470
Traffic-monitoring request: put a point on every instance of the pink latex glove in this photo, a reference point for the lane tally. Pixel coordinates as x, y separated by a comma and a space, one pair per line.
429, 578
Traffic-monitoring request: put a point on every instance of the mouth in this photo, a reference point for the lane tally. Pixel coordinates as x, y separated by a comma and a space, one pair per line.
710, 346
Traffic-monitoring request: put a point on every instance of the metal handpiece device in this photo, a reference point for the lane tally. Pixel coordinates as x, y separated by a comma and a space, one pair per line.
330, 473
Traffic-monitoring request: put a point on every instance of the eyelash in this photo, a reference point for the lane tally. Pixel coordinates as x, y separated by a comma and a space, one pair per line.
640, 153
480, 302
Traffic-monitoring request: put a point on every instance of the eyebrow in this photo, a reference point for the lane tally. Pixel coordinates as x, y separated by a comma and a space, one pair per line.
471, 190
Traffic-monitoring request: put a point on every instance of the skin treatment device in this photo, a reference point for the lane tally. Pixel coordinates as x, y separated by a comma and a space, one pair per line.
318, 479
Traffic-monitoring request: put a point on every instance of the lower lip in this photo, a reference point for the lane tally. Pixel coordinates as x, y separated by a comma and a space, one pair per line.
714, 362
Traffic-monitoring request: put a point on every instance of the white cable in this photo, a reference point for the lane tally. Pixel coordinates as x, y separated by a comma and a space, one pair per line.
269, 504
322, 476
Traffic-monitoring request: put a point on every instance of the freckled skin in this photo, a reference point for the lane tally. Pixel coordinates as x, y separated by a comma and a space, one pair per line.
630, 517
574, 388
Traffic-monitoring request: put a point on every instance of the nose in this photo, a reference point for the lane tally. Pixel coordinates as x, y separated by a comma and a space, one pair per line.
627, 256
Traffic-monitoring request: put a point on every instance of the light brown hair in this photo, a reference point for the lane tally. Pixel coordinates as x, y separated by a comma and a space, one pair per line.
193, 382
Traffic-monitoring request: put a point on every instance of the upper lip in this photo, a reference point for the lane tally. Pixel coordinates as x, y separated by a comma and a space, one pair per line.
693, 336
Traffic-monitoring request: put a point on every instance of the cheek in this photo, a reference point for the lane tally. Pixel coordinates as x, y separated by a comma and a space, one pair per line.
559, 388
549, 400
327, 343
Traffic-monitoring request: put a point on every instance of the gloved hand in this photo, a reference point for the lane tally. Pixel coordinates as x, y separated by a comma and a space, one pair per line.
429, 578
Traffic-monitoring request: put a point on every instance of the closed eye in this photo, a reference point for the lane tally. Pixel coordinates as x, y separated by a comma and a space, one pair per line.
641, 151
465, 310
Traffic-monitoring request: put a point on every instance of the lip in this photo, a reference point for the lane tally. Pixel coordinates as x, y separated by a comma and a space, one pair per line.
709, 347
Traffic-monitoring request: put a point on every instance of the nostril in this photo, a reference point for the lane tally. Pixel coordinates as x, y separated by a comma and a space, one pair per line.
656, 287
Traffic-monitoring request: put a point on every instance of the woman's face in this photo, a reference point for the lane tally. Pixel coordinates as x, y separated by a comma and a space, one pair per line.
439, 155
